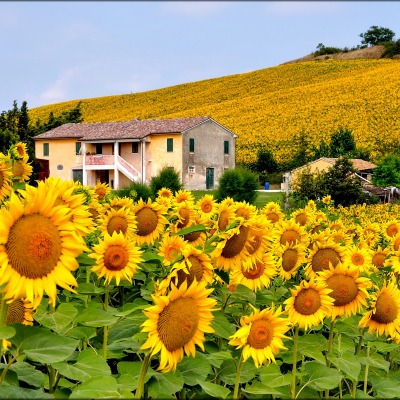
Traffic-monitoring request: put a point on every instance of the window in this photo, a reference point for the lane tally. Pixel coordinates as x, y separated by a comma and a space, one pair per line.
46, 150
78, 146
226, 147
191, 169
99, 148
135, 147
191, 145
170, 145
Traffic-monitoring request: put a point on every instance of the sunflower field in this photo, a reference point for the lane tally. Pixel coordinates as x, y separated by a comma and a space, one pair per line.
273, 106
177, 298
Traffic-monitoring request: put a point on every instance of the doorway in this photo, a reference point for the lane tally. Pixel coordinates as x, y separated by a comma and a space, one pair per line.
209, 178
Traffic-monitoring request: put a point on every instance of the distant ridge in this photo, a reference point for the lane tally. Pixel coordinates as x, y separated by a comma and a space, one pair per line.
274, 106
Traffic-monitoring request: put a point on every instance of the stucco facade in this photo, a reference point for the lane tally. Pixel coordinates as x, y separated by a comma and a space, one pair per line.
198, 148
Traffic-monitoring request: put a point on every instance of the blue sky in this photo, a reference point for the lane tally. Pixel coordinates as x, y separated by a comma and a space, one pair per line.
57, 51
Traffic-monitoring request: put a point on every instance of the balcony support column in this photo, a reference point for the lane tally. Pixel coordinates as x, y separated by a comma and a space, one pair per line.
116, 174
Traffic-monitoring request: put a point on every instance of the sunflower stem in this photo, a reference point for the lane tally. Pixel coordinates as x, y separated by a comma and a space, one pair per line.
237, 380
142, 375
294, 369
360, 340
105, 305
366, 370
3, 311
330, 347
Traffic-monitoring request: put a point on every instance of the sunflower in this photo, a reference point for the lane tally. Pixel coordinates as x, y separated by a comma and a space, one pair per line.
261, 335
197, 238
337, 225
273, 212
327, 200
302, 216
18, 312
116, 203
187, 216
165, 192
378, 257
394, 242
151, 221
101, 190
38, 247
289, 257
349, 290
122, 220
309, 304
171, 249
5, 177
369, 232
21, 170
195, 265
289, 231
391, 228
256, 276
207, 206
183, 195
232, 250
225, 216
259, 239
116, 258
18, 151
393, 261
245, 210
384, 315
323, 255
360, 257
177, 323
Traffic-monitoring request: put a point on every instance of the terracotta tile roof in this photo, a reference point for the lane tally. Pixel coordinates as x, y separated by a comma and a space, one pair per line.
133, 129
359, 164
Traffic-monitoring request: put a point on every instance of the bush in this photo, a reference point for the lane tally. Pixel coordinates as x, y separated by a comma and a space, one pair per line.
168, 178
240, 184
135, 191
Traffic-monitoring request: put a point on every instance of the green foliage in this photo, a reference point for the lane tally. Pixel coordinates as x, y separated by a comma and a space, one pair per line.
168, 178
391, 49
387, 172
376, 35
135, 191
322, 50
239, 183
308, 186
342, 144
266, 161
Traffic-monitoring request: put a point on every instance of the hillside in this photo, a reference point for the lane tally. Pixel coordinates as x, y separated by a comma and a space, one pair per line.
274, 105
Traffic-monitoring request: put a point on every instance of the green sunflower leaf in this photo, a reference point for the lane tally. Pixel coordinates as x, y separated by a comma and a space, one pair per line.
214, 390
7, 332
385, 388
15, 392
133, 370
222, 326
99, 387
191, 229
28, 373
322, 377
375, 360
58, 320
165, 384
261, 389
194, 369
96, 318
228, 372
347, 363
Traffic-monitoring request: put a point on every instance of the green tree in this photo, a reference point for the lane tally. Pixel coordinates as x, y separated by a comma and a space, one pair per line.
387, 172
239, 184
266, 161
376, 35
168, 178
342, 184
342, 144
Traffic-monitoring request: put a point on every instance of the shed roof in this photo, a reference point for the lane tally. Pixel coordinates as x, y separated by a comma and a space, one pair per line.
133, 129
358, 163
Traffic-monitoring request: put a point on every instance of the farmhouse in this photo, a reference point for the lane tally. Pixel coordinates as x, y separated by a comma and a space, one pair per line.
364, 170
117, 153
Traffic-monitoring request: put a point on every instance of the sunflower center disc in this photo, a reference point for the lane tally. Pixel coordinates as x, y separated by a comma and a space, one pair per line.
34, 246
261, 334
18, 169
290, 236
386, 309
255, 244
255, 272
307, 301
235, 244
357, 259
185, 217
206, 207
392, 230
289, 259
147, 221
323, 257
344, 289
1, 180
301, 219
16, 312
178, 322
115, 258
195, 271
223, 220
117, 224
273, 216
378, 260
191, 237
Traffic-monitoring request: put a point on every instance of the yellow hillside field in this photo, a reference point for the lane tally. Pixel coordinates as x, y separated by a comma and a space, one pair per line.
273, 105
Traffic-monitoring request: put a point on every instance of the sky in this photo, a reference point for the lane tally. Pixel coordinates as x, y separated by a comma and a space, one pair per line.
54, 51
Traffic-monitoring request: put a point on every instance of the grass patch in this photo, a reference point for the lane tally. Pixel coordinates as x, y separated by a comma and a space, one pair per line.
261, 200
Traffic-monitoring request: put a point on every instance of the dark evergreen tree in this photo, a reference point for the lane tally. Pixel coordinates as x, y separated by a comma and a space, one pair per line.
342, 144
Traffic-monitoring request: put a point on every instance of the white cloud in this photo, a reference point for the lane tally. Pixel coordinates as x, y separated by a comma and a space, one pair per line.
193, 8
295, 8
